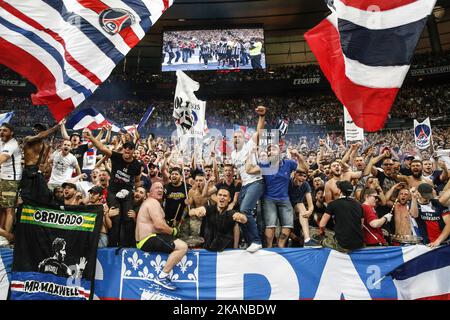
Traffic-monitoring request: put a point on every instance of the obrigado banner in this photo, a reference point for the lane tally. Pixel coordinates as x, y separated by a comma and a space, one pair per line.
276, 274
55, 253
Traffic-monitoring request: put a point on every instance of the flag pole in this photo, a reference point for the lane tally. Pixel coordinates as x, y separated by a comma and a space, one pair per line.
432, 143
185, 186
378, 281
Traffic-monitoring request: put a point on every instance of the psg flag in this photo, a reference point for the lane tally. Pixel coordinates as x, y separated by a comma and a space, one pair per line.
68, 48
423, 134
364, 48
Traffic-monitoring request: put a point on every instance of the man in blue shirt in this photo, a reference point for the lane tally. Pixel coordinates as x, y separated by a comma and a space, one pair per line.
276, 204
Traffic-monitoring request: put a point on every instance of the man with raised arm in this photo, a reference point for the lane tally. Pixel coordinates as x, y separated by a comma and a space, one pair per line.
36, 150
125, 174
252, 183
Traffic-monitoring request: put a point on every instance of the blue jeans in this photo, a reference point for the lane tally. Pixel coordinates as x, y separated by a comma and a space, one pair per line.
248, 197
185, 54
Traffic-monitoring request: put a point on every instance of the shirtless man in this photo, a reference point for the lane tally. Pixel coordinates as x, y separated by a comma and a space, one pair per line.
196, 200
195, 195
332, 192
95, 199
401, 214
153, 234
36, 151
416, 178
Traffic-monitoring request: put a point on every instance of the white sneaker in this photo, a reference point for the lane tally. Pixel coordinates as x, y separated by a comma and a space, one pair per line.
254, 247
3, 241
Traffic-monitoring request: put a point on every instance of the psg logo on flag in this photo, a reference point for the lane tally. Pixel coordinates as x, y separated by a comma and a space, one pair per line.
115, 20
186, 120
423, 133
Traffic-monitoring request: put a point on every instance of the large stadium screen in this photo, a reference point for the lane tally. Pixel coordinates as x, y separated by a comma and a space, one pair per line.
217, 49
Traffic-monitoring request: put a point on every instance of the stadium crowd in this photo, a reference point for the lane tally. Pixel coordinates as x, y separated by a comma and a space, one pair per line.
249, 192
312, 109
80, 165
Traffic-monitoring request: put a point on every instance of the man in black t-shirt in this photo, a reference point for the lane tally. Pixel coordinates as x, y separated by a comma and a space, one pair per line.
125, 175
78, 149
348, 215
220, 222
229, 183
175, 197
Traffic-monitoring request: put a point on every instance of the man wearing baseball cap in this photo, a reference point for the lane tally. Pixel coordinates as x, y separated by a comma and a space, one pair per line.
406, 165
348, 216
70, 194
95, 199
432, 214
125, 174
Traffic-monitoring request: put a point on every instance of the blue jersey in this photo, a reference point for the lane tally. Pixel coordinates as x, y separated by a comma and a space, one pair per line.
431, 220
277, 183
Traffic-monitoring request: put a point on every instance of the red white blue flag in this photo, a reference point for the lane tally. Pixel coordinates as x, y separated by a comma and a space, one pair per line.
89, 118
365, 48
426, 277
67, 48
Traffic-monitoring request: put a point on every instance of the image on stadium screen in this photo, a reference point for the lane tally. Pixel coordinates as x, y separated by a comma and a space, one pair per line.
213, 49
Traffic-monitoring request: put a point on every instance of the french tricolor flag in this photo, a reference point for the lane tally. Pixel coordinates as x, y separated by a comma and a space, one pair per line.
426, 277
365, 48
89, 118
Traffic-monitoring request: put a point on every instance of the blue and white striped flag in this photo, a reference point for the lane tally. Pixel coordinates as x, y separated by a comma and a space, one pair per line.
6, 117
365, 48
67, 48
426, 277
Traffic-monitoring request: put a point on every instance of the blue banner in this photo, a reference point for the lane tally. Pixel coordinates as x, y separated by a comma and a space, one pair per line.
269, 274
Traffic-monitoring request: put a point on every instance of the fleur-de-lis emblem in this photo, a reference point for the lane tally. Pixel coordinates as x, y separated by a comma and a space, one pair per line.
145, 273
184, 264
135, 261
158, 264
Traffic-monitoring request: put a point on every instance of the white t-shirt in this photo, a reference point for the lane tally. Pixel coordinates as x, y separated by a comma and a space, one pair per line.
14, 163
239, 159
62, 167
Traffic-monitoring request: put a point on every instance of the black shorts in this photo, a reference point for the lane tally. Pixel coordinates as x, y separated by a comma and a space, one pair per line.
161, 243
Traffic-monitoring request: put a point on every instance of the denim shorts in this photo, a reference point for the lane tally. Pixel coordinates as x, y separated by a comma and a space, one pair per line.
281, 209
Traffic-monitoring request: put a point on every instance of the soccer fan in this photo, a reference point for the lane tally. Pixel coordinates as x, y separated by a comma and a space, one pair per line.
153, 234
10, 176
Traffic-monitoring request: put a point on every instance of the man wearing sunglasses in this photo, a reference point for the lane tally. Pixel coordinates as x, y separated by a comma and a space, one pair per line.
373, 236
125, 174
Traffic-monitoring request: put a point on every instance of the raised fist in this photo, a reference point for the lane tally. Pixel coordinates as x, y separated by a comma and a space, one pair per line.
261, 111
